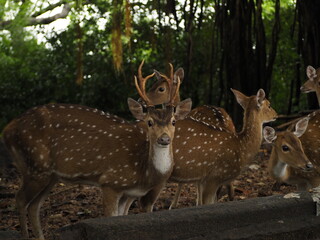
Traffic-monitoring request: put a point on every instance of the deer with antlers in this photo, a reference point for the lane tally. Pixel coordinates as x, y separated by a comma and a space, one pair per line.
215, 117
79, 144
212, 157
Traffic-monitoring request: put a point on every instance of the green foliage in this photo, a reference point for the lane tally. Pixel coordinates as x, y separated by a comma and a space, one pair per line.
34, 73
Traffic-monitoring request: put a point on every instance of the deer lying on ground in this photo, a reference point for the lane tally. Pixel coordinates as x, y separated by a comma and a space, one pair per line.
215, 117
79, 144
287, 155
310, 140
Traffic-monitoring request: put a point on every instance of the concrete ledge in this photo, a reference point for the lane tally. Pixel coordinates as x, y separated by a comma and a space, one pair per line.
9, 235
272, 217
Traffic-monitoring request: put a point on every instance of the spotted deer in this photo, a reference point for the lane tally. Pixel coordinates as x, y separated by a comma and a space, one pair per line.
287, 155
208, 115
313, 83
79, 144
210, 156
218, 156
306, 180
310, 140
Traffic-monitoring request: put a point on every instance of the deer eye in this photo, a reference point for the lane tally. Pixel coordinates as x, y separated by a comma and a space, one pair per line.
285, 148
150, 123
161, 89
173, 122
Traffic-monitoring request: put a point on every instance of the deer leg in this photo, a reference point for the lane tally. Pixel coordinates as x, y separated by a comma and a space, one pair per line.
148, 200
199, 194
35, 205
230, 191
209, 194
110, 201
22, 204
174, 203
27, 193
126, 205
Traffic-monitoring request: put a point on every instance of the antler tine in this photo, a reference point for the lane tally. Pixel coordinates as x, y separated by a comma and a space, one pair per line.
173, 86
140, 70
174, 92
141, 86
171, 72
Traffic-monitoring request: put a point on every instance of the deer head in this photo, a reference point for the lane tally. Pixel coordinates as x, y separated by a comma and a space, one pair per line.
287, 147
161, 90
160, 122
257, 105
313, 82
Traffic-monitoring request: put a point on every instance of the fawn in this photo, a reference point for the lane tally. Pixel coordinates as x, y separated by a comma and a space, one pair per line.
79, 144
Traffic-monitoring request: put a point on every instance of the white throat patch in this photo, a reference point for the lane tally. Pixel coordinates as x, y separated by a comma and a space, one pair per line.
162, 160
280, 169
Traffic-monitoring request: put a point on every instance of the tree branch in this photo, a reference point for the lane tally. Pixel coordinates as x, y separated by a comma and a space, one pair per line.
36, 21
48, 8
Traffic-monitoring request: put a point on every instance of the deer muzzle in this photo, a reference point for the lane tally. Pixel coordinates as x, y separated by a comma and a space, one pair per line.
164, 140
309, 167
304, 89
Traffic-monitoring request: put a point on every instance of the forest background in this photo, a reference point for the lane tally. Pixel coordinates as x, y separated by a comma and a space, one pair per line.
243, 44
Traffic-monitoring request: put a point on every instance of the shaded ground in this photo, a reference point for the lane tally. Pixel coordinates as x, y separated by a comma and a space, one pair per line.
68, 203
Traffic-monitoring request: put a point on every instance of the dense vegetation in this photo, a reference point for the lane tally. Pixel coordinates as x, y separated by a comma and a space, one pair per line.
244, 44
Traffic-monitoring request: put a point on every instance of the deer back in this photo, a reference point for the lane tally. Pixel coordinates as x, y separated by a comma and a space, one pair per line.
73, 141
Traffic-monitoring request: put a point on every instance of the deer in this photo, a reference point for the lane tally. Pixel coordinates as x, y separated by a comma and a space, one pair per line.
78, 144
218, 156
212, 157
310, 140
209, 115
313, 82
287, 154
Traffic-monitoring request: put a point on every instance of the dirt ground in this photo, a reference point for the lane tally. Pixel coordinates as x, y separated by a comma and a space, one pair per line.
68, 203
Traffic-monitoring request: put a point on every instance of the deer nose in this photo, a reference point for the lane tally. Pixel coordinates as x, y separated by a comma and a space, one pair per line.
309, 166
164, 140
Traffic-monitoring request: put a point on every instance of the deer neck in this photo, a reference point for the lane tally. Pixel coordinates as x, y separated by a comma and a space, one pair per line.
277, 167
160, 158
250, 137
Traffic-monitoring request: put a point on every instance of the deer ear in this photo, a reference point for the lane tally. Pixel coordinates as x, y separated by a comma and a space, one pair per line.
183, 108
136, 109
311, 72
269, 134
301, 127
241, 98
179, 73
261, 95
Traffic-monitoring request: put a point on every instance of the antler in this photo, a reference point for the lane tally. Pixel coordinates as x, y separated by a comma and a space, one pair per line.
173, 89
141, 86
